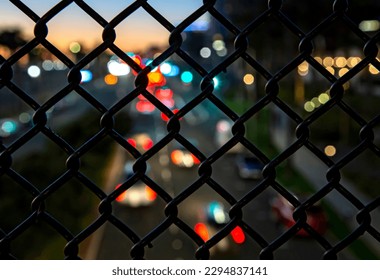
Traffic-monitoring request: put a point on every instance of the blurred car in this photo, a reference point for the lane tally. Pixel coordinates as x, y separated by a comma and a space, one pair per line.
249, 167
213, 218
137, 195
141, 141
182, 157
283, 211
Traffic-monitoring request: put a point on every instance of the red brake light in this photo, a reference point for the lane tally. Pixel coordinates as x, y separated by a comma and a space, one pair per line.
132, 142
144, 106
166, 118
151, 195
162, 94
202, 231
141, 97
176, 157
195, 159
121, 197
148, 143
238, 235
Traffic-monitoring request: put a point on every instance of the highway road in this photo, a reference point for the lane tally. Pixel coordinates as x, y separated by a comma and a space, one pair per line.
173, 243
199, 126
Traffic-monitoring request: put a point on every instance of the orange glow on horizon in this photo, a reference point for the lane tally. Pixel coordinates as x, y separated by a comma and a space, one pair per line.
139, 43
136, 33
135, 40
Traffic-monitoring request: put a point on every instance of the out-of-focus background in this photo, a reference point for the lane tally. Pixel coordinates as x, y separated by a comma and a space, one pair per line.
109, 79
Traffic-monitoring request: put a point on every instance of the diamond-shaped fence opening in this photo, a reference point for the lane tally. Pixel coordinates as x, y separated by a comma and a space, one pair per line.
149, 31
352, 170
80, 21
339, 130
277, 59
216, 129
107, 10
176, 12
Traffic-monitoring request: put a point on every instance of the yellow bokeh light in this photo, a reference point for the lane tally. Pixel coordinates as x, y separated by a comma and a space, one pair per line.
110, 79
309, 106
323, 98
331, 70
316, 102
328, 61
218, 45
75, 47
319, 59
155, 77
342, 72
330, 150
340, 62
303, 68
373, 70
248, 79
353, 61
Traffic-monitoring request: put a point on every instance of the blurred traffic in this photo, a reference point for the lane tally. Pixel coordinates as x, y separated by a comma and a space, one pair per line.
316, 217
213, 217
155, 130
137, 195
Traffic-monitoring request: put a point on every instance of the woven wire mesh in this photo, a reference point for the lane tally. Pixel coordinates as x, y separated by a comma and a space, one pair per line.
271, 98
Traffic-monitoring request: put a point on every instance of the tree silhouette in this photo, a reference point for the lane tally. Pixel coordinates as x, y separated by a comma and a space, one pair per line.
12, 39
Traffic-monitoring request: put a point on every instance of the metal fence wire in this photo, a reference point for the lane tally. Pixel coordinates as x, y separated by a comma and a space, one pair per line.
271, 97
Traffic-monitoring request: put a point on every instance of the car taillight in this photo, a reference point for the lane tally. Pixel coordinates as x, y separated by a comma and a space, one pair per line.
148, 143
132, 142
122, 196
151, 195
195, 159
201, 230
144, 106
238, 235
176, 157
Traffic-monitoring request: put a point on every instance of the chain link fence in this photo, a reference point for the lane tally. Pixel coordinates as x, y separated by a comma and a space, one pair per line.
277, 14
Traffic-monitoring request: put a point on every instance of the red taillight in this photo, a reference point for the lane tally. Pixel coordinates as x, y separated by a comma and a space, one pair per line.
144, 107
162, 94
151, 195
122, 196
166, 118
238, 235
176, 157
195, 159
202, 231
148, 143
132, 142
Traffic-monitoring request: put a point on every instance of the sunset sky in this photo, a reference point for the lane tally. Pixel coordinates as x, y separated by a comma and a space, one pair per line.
135, 33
